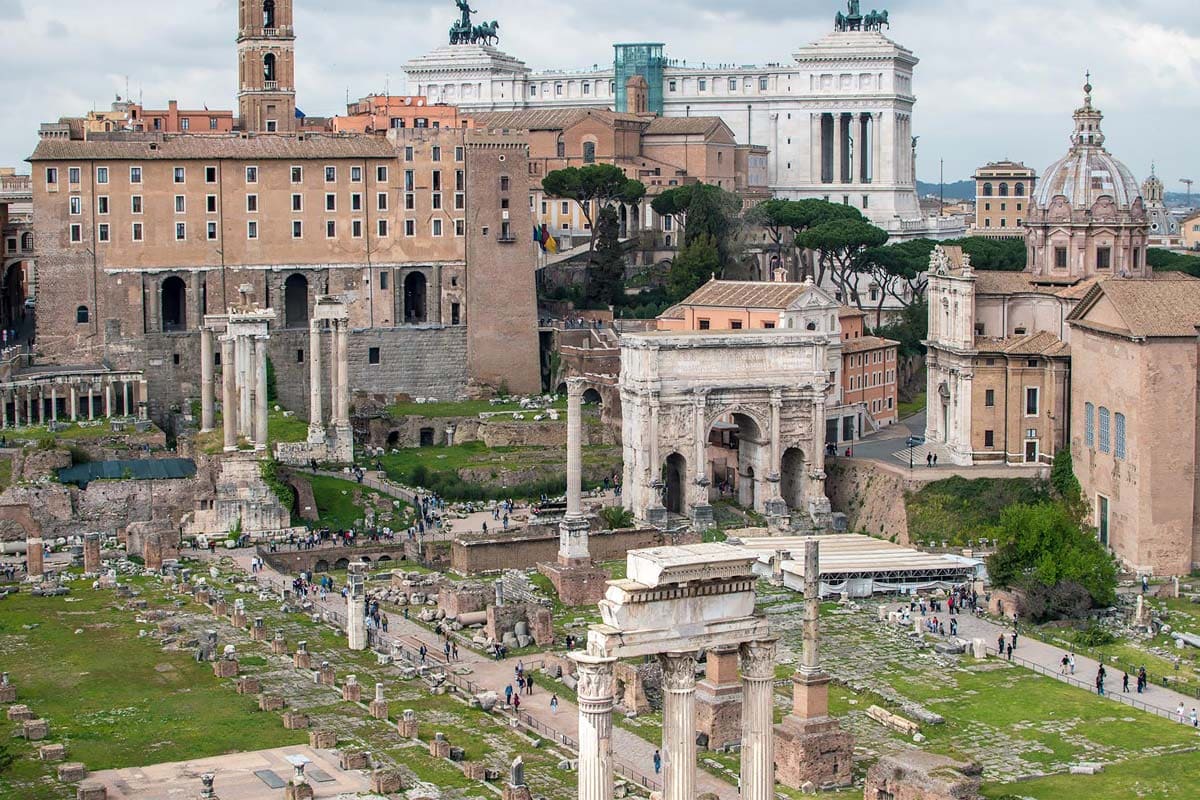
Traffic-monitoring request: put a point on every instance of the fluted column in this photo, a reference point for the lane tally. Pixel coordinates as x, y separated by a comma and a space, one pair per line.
245, 360
574, 446
260, 393
316, 425
837, 147
334, 370
758, 720
74, 404
207, 400
54, 403
108, 399
679, 725
229, 399
594, 693
343, 387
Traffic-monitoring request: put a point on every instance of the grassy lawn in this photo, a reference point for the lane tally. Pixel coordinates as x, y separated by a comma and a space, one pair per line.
115, 699
73, 433
280, 428
906, 408
1155, 778
339, 510
958, 510
463, 408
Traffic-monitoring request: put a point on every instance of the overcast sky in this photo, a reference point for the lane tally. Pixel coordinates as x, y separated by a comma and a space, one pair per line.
996, 79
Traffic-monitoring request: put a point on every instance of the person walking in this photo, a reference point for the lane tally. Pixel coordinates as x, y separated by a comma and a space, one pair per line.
1194, 718
929, 460
1063, 668
516, 702
1071, 663
1000, 644
508, 694
1125, 683
657, 762
554, 704
1180, 713
1010, 651
529, 683
1100, 682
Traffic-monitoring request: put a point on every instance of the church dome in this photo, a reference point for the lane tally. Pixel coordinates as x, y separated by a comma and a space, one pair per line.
1088, 171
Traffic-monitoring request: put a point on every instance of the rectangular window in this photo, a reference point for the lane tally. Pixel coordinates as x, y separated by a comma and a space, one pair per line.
460, 181
1103, 258
383, 281
437, 180
297, 229
180, 204
212, 231
102, 204
356, 228
135, 174
762, 84
705, 324
989, 398
252, 229
297, 202
102, 175
52, 176
460, 227
436, 153
181, 175
102, 232
212, 123
135, 204
381, 201
1119, 436
1102, 519
185, 124
436, 199
330, 229
73, 174
373, 355
410, 180
1089, 425
381, 174
733, 84
356, 202
76, 232
210, 203
437, 227
180, 231
382, 228
410, 201
297, 174
410, 227
989, 438
459, 153
251, 174
330, 201
504, 183
251, 203
1060, 258
735, 324
137, 232
1104, 433
356, 174
408, 153
210, 174
331, 174
460, 201
1031, 401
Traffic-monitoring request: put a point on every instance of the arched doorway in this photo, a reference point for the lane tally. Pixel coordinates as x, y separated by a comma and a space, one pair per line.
322, 566
393, 440
736, 453
427, 437
295, 301
791, 478
14, 294
341, 563
414, 298
174, 304
674, 476
592, 397
623, 216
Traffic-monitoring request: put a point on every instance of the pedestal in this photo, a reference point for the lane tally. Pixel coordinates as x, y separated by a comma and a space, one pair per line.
719, 700
810, 746
702, 517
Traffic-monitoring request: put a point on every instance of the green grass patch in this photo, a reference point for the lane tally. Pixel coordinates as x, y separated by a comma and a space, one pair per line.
6, 467
463, 408
958, 510
340, 504
1165, 777
906, 408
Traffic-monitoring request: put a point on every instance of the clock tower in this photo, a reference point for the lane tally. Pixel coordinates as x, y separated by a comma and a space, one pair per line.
266, 66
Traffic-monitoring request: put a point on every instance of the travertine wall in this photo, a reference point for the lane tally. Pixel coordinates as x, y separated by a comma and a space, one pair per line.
524, 549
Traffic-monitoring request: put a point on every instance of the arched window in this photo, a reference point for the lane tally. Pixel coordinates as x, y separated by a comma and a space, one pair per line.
295, 301
561, 147
1004, 190
1105, 443
589, 152
1089, 425
269, 67
987, 190
174, 304
269, 14
414, 298
27, 242
81, 315
1019, 190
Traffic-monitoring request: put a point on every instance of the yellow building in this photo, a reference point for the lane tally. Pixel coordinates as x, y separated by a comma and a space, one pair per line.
1002, 191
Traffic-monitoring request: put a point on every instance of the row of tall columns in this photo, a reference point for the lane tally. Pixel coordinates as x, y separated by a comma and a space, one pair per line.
207, 400
29, 403
243, 389
595, 695
854, 149
339, 377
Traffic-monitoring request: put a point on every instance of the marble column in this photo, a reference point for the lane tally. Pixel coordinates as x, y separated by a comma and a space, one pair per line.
316, 426
229, 401
127, 397
334, 370
54, 404
35, 554
28, 406
679, 726
260, 393
108, 399
594, 695
356, 616
91, 398
4, 412
143, 402
758, 720
343, 388
91, 554
245, 359
207, 400
700, 454
573, 530
74, 404
852, 154
837, 147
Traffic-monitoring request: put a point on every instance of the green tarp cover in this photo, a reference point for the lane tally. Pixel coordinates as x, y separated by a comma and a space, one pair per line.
135, 469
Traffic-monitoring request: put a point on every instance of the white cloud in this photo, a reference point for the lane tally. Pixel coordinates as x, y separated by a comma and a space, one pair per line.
996, 80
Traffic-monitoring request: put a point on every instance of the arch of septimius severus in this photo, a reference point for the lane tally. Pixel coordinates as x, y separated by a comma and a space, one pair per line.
765, 389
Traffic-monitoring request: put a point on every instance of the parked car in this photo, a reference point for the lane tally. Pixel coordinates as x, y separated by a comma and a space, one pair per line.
914, 441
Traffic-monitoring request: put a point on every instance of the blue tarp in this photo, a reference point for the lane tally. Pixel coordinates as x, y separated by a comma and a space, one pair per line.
133, 469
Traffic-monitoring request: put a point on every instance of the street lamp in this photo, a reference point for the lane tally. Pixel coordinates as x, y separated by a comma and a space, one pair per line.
910, 454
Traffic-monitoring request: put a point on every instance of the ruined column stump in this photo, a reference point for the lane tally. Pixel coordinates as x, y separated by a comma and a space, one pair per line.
439, 747
52, 752
406, 726
323, 739
387, 781
91, 791
719, 700
225, 668
270, 702
34, 730
295, 721
72, 772
279, 645
354, 759
352, 690
248, 685
326, 676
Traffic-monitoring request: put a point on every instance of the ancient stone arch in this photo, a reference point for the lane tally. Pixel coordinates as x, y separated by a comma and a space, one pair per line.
18, 518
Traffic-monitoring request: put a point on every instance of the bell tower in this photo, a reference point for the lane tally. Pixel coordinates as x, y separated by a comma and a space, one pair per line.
266, 66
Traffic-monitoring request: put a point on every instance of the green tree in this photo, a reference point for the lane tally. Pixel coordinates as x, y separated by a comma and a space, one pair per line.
1167, 261
1066, 486
713, 213
1043, 549
674, 203
598, 184
692, 267
910, 328
899, 270
1003, 255
840, 244
606, 271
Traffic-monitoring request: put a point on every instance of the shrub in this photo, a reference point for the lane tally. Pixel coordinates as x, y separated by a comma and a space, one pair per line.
1093, 636
616, 517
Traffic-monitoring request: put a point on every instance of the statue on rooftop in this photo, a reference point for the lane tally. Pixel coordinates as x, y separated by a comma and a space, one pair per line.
463, 31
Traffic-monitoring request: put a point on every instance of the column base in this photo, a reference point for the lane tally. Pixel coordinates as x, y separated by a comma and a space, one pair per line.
813, 751
776, 507
702, 517
577, 583
656, 516
719, 713
316, 433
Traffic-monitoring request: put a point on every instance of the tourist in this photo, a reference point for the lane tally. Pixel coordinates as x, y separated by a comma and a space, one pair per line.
454, 650
554, 704
383, 620
935, 459
1125, 683
929, 460
446, 650
1180, 713
529, 683
508, 693
1063, 668
424, 651
1145, 584
1010, 649
1194, 718
657, 762
516, 704
1014, 640
520, 684
1071, 662
1100, 682
1000, 644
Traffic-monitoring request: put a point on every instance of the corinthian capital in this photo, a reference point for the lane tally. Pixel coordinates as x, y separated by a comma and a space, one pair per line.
679, 671
758, 659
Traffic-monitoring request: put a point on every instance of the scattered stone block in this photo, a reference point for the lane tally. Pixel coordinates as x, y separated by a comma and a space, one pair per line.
91, 791
258, 631
406, 726
893, 721
295, 721
298, 791
474, 770
439, 747
279, 645
225, 668
270, 702
247, 685
8, 694
52, 752
387, 781
72, 772
237, 618
19, 712
354, 759
323, 739
352, 690
326, 676
168, 627
35, 729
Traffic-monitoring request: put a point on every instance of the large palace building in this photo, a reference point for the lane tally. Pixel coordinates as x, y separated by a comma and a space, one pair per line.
142, 234
837, 118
